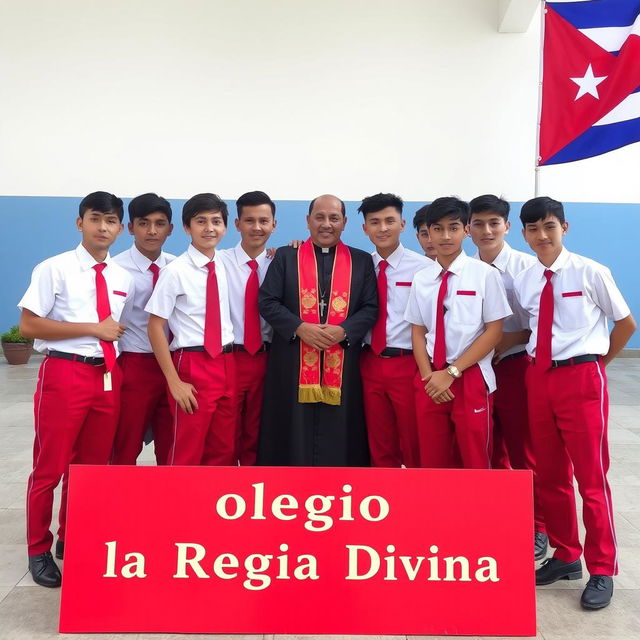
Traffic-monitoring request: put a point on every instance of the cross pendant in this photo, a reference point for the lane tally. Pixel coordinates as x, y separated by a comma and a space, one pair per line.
323, 306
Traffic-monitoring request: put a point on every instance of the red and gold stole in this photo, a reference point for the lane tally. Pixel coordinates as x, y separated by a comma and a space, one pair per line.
311, 386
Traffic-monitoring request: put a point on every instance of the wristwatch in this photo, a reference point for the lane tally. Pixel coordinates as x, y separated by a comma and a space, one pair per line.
453, 371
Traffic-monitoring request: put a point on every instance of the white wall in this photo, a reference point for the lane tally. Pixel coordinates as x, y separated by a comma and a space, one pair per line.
296, 97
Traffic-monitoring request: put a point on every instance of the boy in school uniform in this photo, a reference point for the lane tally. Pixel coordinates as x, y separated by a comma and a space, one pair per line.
512, 448
192, 297
569, 299
456, 307
422, 232
246, 266
387, 364
72, 307
143, 392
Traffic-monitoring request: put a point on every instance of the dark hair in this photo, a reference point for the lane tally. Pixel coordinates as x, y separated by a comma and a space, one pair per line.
253, 199
489, 202
103, 202
344, 211
380, 201
203, 202
447, 207
539, 208
142, 206
420, 218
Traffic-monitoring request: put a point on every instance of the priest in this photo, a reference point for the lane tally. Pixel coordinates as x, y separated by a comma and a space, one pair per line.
320, 299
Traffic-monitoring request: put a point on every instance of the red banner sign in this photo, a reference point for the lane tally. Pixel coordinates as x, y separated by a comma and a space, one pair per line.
298, 550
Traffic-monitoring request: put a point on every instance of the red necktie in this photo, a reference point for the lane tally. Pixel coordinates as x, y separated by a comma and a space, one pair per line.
212, 326
440, 347
104, 311
155, 270
379, 331
252, 333
545, 322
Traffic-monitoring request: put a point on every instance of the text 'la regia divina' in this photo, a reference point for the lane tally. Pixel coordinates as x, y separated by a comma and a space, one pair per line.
258, 570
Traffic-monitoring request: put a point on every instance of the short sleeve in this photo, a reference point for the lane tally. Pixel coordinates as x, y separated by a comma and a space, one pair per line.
607, 295
41, 295
412, 313
495, 305
163, 299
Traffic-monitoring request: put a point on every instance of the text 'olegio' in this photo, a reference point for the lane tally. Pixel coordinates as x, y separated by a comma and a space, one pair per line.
318, 514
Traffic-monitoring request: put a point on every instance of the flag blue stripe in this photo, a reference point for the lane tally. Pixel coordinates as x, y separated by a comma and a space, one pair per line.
598, 13
598, 140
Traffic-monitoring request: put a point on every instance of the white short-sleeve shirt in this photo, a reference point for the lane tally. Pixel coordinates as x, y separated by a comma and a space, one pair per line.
135, 338
510, 263
238, 272
180, 297
475, 296
403, 266
584, 296
63, 288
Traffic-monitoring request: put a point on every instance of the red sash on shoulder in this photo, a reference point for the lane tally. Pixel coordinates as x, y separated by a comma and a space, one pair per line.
311, 388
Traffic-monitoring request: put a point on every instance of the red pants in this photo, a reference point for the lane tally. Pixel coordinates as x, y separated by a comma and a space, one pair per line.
568, 413
465, 421
75, 422
250, 372
390, 411
512, 447
208, 435
143, 396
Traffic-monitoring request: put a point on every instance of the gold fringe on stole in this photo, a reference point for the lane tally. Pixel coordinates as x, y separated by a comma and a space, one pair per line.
310, 393
331, 395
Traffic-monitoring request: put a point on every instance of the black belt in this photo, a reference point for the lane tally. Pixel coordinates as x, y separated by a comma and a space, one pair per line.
74, 357
589, 357
391, 352
226, 348
519, 354
240, 347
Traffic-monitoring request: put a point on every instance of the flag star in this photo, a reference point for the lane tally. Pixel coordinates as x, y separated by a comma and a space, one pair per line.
588, 84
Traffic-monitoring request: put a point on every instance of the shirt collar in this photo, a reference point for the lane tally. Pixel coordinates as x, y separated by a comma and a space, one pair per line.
142, 262
242, 257
455, 267
501, 260
198, 258
393, 260
86, 260
559, 263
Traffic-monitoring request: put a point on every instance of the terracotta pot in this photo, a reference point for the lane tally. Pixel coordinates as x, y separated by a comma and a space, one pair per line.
17, 352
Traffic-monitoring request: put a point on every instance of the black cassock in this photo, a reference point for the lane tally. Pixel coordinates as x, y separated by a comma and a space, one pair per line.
313, 434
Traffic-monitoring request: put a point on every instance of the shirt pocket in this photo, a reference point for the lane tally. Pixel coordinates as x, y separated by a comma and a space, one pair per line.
571, 309
117, 301
466, 308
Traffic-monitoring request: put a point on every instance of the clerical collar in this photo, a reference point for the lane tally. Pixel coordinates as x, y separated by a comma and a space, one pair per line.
324, 250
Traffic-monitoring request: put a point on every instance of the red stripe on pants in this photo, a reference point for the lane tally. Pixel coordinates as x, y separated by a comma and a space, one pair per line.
75, 422
208, 435
568, 413
512, 447
143, 396
465, 421
250, 373
390, 410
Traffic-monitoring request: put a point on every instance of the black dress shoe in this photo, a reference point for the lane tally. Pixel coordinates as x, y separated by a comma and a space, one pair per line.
598, 592
540, 546
553, 569
60, 549
44, 570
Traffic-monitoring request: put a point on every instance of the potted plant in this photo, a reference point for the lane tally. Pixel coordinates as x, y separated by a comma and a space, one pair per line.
16, 348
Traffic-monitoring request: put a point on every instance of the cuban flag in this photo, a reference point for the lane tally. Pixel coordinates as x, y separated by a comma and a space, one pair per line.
590, 79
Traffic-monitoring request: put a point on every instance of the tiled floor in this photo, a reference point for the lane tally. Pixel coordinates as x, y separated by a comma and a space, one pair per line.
30, 612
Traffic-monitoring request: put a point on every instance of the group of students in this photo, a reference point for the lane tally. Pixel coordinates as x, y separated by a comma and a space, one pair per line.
504, 352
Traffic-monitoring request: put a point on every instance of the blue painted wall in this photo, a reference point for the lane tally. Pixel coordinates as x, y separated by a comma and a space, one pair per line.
34, 228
